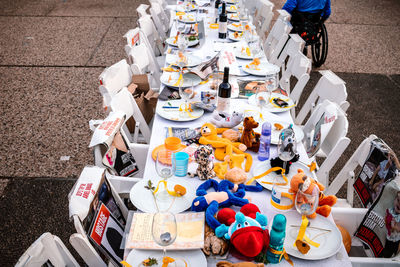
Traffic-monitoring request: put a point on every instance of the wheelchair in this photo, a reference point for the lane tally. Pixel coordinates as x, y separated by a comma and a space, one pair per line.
311, 28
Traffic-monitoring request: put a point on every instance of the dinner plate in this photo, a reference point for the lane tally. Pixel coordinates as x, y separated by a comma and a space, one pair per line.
240, 37
233, 17
192, 60
231, 9
330, 242
171, 40
171, 78
193, 258
270, 107
174, 114
298, 132
235, 27
144, 200
231, 2
187, 18
263, 166
240, 52
263, 69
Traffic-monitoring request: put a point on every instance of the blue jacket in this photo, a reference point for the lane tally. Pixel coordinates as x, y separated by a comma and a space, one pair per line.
311, 6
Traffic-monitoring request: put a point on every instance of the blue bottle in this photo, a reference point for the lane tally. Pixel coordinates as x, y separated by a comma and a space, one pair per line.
265, 141
276, 239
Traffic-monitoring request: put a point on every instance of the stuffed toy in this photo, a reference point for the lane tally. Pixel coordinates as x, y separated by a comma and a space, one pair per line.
232, 135
235, 174
277, 162
300, 181
226, 194
250, 138
223, 147
214, 245
225, 120
239, 264
220, 169
247, 229
202, 157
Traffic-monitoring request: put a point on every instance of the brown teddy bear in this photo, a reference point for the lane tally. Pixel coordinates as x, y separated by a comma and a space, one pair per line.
250, 138
212, 244
301, 182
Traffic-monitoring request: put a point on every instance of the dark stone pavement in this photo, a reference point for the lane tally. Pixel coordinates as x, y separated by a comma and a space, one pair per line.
51, 53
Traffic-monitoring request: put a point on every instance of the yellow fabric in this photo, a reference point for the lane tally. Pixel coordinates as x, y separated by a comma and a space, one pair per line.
284, 207
124, 263
268, 172
302, 233
172, 193
282, 253
180, 80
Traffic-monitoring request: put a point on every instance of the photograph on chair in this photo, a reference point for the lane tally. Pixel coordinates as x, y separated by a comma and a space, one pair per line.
380, 168
380, 228
106, 234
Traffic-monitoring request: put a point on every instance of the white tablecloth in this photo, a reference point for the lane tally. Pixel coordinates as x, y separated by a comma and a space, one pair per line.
261, 199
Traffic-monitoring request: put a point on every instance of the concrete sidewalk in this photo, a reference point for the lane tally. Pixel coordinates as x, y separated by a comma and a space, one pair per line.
52, 52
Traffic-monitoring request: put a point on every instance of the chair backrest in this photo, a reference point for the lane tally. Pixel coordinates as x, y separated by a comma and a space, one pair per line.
347, 172
276, 39
299, 67
149, 29
330, 87
160, 18
113, 79
263, 17
142, 10
47, 248
294, 44
124, 101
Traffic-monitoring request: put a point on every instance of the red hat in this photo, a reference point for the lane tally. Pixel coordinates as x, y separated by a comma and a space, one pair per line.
250, 241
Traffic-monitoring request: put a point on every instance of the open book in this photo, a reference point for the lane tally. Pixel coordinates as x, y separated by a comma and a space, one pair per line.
190, 228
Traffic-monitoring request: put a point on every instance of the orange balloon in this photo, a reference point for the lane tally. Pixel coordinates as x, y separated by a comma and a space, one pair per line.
345, 237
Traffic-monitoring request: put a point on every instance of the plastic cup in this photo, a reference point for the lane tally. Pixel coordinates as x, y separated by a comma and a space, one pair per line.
182, 162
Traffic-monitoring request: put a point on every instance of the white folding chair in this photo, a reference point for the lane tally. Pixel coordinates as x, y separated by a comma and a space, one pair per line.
334, 142
299, 67
147, 25
294, 44
47, 248
113, 79
79, 212
263, 17
276, 39
347, 174
160, 18
141, 57
330, 87
350, 219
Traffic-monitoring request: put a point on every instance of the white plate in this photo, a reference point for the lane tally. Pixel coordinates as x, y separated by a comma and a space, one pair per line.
330, 243
143, 199
188, 78
231, 27
231, 2
271, 108
188, 19
194, 258
242, 55
170, 41
262, 166
231, 9
263, 69
233, 17
175, 114
192, 60
233, 38
298, 132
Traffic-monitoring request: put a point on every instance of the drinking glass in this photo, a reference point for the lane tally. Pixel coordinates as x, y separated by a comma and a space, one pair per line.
255, 47
186, 94
306, 204
164, 231
281, 198
182, 42
165, 167
287, 147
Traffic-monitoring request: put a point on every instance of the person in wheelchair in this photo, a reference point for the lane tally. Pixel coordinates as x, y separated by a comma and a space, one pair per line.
307, 16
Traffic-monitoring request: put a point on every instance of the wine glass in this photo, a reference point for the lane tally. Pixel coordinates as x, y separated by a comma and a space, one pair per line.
255, 47
262, 94
165, 167
164, 231
306, 204
186, 94
287, 148
281, 198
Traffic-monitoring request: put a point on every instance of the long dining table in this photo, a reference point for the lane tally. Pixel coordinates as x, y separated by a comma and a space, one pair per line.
206, 50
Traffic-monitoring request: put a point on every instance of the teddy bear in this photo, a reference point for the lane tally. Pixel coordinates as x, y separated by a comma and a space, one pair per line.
250, 138
205, 170
226, 120
223, 146
213, 245
301, 182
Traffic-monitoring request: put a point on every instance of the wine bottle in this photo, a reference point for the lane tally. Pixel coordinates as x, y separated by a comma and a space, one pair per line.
223, 23
216, 10
224, 93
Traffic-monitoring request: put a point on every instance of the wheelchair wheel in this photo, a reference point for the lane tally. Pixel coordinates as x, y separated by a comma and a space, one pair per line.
320, 48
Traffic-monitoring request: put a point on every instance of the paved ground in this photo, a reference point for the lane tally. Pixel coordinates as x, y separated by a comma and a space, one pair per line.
51, 53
